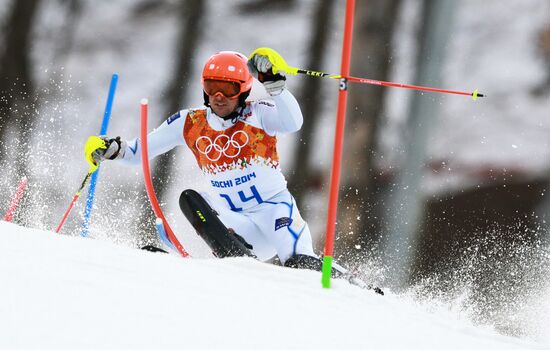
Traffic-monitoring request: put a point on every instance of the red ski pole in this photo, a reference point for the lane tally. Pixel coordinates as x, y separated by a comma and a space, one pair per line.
75, 198
16, 198
475, 94
279, 64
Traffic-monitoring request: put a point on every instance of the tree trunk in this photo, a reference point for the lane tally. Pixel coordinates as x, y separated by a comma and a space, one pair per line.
192, 13
74, 10
17, 100
358, 218
266, 6
406, 204
302, 178
16, 86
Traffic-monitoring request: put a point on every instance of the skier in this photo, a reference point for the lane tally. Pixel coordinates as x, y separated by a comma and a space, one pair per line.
234, 141
235, 145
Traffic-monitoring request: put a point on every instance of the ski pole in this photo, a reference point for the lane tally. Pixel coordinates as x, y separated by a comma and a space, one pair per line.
14, 203
149, 183
103, 131
279, 64
84, 182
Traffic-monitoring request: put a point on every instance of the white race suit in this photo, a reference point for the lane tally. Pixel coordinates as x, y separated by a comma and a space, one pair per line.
240, 162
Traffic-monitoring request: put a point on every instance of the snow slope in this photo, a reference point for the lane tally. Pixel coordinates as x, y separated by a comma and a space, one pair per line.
73, 293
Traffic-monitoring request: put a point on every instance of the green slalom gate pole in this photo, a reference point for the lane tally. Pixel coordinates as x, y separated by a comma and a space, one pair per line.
338, 146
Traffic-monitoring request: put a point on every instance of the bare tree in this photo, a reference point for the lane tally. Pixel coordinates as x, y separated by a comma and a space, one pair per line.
543, 46
302, 178
192, 13
262, 6
17, 102
358, 218
74, 10
406, 205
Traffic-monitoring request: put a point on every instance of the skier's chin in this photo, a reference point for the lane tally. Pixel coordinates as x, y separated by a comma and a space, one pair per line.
221, 111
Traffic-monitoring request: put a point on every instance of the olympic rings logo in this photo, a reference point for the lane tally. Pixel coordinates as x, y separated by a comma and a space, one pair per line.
222, 145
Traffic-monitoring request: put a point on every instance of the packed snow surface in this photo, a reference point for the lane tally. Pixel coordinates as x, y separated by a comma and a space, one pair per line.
76, 293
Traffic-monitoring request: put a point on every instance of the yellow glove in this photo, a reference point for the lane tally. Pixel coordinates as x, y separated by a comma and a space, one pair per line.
278, 63
97, 149
93, 144
269, 67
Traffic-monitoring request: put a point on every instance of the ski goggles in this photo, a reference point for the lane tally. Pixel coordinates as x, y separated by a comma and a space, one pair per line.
230, 89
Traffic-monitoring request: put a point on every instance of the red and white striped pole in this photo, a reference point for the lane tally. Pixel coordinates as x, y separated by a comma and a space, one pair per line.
16, 198
338, 145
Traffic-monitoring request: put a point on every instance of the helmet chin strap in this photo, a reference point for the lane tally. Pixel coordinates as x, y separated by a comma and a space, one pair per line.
237, 113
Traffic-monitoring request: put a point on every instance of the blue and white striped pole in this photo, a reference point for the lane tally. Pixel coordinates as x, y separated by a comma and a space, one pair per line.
103, 131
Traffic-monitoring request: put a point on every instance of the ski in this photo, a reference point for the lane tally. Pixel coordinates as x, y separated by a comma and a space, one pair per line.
301, 261
356, 281
153, 249
224, 242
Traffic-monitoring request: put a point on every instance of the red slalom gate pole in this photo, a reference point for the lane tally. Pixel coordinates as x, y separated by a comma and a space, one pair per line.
149, 182
16, 198
338, 146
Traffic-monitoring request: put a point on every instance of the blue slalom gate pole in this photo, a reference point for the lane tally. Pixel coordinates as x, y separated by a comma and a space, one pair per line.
103, 131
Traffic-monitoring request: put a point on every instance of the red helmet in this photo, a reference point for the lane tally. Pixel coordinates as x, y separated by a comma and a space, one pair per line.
228, 66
